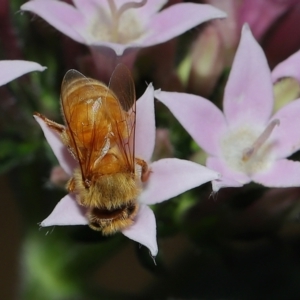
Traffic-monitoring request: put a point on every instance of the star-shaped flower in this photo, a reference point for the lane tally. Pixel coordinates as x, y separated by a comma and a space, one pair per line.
245, 143
122, 24
12, 69
169, 177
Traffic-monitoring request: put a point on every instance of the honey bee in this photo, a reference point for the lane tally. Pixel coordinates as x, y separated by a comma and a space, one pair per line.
99, 132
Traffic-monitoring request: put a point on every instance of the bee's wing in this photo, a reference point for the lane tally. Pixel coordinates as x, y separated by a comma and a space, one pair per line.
84, 109
122, 84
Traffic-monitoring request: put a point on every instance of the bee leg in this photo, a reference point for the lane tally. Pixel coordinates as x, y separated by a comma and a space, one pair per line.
53, 125
145, 169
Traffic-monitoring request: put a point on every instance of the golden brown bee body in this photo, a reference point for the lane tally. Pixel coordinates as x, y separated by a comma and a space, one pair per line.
99, 133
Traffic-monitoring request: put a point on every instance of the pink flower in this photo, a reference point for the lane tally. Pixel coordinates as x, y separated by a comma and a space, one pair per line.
288, 68
169, 178
12, 69
245, 143
217, 43
122, 24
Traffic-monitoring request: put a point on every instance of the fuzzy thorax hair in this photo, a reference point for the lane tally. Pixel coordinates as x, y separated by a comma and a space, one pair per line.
109, 191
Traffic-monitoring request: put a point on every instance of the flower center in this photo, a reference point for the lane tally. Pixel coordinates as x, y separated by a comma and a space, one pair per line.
121, 25
248, 153
247, 149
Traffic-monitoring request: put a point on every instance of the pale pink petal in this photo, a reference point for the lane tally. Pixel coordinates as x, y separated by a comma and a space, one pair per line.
248, 94
90, 7
224, 183
143, 230
200, 117
62, 16
177, 19
145, 125
286, 136
66, 212
11, 69
229, 177
66, 161
288, 68
283, 173
171, 176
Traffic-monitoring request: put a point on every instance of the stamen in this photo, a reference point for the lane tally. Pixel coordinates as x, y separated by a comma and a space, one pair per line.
113, 8
116, 14
129, 5
249, 152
